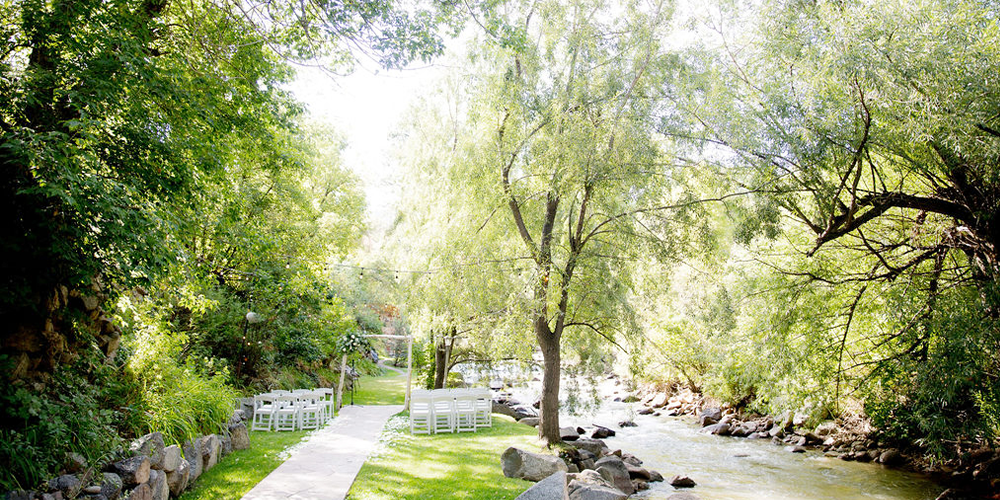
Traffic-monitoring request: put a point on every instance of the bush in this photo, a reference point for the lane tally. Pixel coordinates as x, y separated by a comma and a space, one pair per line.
181, 400
84, 407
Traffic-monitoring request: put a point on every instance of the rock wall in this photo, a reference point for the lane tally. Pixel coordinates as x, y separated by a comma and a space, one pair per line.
153, 471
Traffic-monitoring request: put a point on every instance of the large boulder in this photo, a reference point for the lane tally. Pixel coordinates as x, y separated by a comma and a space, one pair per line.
152, 446
111, 485
177, 480
550, 488
709, 416
592, 477
211, 451
531, 466
133, 470
172, 458
158, 483
67, 484
505, 409
192, 453
587, 491
595, 446
613, 469
239, 436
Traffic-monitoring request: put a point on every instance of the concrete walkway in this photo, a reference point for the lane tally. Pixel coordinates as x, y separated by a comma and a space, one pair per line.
325, 466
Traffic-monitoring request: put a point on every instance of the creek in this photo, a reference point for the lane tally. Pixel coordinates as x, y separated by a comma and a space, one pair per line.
724, 468
742, 469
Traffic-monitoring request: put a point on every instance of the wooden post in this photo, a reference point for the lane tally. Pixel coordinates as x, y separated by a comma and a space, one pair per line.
409, 372
340, 387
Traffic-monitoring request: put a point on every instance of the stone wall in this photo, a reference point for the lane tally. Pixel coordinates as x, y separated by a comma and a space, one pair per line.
153, 471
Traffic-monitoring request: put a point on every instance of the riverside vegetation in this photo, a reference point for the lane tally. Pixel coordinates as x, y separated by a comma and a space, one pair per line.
785, 206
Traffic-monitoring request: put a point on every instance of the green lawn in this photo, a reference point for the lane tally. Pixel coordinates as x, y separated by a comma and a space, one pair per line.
443, 466
240, 471
389, 389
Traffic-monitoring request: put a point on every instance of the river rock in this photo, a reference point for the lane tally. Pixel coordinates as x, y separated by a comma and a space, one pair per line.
636, 472
111, 485
682, 482
67, 484
595, 446
592, 477
152, 446
627, 423
504, 409
133, 470
719, 429
529, 421
655, 477
795, 449
659, 401
531, 466
709, 416
585, 491
602, 432
890, 457
568, 434
177, 480
614, 470
551, 488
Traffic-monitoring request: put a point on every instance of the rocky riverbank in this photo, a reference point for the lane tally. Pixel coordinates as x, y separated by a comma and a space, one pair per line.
973, 474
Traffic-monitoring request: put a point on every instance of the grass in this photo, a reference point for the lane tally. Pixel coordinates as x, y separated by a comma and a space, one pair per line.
240, 471
388, 389
443, 466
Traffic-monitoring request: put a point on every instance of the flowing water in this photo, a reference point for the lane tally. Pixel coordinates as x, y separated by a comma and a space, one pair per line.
724, 468
742, 469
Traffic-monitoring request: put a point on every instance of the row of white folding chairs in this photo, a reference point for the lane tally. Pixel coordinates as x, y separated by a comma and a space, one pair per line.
291, 410
450, 410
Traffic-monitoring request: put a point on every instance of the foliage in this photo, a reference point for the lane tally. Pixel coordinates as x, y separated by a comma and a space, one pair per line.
85, 407
243, 469
182, 399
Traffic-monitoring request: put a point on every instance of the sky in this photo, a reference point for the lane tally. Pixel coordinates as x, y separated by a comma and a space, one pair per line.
365, 107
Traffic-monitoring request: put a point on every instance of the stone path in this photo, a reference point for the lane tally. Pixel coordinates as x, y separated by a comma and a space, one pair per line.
325, 466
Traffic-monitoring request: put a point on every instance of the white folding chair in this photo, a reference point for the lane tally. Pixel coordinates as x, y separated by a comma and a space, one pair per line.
326, 402
484, 407
286, 416
465, 412
442, 411
310, 410
421, 412
263, 412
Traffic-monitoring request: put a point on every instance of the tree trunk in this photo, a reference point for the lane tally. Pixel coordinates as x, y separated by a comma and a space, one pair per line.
548, 424
440, 363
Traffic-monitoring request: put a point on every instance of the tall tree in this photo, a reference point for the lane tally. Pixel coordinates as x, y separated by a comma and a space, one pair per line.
564, 165
114, 113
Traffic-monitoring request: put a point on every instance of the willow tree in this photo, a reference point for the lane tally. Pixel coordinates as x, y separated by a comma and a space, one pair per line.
563, 161
874, 129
